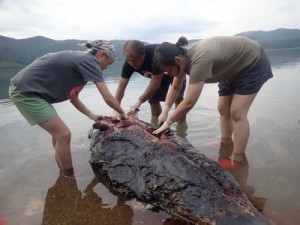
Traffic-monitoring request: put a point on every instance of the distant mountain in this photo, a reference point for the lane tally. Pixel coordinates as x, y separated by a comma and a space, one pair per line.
20, 52
275, 39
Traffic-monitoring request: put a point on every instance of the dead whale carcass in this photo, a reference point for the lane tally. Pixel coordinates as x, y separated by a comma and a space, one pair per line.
169, 173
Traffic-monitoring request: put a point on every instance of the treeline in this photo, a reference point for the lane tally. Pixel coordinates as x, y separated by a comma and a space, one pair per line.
20, 52
275, 39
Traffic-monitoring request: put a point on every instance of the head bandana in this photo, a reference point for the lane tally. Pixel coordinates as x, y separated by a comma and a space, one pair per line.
100, 45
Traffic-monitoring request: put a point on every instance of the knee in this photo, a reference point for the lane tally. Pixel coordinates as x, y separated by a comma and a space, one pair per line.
223, 110
67, 136
236, 115
64, 136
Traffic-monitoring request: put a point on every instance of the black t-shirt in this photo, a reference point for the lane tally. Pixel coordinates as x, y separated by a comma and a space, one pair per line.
145, 69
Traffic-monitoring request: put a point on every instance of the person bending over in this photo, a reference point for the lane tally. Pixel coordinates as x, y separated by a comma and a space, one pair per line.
57, 77
139, 58
239, 65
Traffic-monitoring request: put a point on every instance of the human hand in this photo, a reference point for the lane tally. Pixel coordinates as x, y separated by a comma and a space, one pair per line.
123, 116
166, 125
164, 115
95, 117
135, 106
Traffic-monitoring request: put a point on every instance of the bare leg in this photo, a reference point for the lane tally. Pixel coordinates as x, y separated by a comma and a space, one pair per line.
53, 142
241, 130
155, 109
224, 105
61, 138
155, 112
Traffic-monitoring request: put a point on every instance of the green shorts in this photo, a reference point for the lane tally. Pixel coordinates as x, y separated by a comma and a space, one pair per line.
33, 108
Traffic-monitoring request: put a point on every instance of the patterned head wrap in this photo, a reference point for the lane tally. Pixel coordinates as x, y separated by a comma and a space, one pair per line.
100, 45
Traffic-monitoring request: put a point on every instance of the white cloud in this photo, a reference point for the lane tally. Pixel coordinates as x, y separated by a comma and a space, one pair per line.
152, 21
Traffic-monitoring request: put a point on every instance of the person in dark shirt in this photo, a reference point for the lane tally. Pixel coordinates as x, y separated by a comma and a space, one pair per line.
139, 58
57, 77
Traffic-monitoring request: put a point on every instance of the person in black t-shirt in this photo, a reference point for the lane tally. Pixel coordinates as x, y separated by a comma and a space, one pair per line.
139, 58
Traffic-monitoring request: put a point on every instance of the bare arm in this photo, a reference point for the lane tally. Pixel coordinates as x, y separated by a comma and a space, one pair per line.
174, 90
152, 87
110, 100
121, 89
79, 105
191, 97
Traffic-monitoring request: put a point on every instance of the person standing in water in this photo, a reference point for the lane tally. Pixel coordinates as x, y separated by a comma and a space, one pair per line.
238, 64
139, 58
57, 77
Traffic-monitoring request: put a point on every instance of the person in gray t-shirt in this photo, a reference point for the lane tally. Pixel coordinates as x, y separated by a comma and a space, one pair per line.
56, 77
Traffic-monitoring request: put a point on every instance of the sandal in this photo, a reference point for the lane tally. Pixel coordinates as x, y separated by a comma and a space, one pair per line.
229, 163
234, 161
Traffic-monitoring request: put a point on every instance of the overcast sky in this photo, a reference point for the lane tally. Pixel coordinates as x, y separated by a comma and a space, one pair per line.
152, 20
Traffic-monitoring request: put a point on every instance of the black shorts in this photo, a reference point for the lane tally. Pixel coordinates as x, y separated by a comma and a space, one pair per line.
161, 93
250, 81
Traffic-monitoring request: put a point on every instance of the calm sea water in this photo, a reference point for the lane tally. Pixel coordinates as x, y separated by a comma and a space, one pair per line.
31, 191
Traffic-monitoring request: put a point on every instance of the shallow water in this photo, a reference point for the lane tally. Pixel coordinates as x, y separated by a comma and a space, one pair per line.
31, 191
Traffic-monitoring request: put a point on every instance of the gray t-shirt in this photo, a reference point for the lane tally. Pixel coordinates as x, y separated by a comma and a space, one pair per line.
221, 58
55, 76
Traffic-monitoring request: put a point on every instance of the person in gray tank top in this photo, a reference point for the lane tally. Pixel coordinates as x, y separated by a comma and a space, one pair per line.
57, 77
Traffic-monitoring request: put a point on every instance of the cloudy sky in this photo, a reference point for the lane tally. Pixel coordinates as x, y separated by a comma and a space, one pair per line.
152, 20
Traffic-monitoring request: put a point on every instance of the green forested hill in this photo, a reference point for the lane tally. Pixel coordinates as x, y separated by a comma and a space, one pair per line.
275, 39
14, 52
20, 52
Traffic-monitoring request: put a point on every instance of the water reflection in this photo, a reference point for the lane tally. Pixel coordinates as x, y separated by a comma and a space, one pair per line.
281, 57
66, 204
28, 169
241, 174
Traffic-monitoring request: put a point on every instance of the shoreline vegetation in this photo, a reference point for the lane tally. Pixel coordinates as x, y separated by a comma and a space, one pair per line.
13, 65
17, 53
